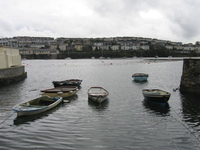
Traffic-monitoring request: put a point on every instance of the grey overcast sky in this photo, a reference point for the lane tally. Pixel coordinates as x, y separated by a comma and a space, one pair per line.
174, 20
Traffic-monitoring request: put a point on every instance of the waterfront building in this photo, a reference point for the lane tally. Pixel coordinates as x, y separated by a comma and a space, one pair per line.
63, 47
115, 47
31, 51
78, 47
144, 47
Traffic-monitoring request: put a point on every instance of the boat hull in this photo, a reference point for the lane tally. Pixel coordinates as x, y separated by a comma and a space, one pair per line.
61, 94
140, 78
26, 109
61, 91
161, 99
98, 99
70, 82
97, 94
156, 95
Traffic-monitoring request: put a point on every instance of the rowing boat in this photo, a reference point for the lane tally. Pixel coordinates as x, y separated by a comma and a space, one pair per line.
36, 106
62, 91
97, 94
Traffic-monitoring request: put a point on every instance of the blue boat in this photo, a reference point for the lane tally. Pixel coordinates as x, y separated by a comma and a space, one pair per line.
140, 77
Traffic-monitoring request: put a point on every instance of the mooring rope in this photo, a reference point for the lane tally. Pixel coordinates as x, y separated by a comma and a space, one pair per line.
7, 118
192, 107
170, 139
184, 125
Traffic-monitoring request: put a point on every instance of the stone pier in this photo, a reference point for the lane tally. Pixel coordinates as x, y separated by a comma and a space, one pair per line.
12, 75
190, 79
11, 69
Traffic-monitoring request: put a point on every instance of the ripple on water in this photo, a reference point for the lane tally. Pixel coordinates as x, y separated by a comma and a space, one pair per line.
124, 121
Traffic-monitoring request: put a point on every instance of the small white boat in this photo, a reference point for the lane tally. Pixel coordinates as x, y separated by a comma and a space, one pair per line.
140, 77
156, 95
97, 94
36, 106
61, 91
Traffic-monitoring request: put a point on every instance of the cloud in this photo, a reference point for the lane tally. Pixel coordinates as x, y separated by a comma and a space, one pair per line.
182, 18
168, 20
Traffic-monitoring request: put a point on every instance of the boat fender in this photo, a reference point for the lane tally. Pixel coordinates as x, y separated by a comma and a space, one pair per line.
59, 93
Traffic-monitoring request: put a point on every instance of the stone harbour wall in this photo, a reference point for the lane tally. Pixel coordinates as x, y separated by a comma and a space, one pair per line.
190, 79
9, 57
11, 75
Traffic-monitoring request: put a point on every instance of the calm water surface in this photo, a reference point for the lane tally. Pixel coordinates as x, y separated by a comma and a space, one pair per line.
123, 122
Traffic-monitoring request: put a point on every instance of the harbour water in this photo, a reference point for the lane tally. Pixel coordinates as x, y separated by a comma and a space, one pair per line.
123, 122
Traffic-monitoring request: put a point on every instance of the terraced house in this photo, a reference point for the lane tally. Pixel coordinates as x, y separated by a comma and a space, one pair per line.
50, 46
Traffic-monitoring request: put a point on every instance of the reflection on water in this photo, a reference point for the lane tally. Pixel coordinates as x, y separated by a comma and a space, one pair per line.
122, 122
97, 106
191, 108
140, 82
157, 108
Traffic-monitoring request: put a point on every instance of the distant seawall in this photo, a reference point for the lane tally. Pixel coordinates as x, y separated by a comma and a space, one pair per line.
190, 79
11, 75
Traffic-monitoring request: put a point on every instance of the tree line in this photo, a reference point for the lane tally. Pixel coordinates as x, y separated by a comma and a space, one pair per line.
88, 53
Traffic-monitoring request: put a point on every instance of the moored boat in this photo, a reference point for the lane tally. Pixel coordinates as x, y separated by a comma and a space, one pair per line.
36, 106
140, 77
70, 82
97, 94
62, 91
156, 95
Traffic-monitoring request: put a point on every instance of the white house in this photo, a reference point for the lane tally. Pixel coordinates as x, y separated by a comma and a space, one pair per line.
115, 47
125, 47
78, 47
169, 47
144, 47
98, 44
9, 57
188, 48
105, 47
63, 47
135, 47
